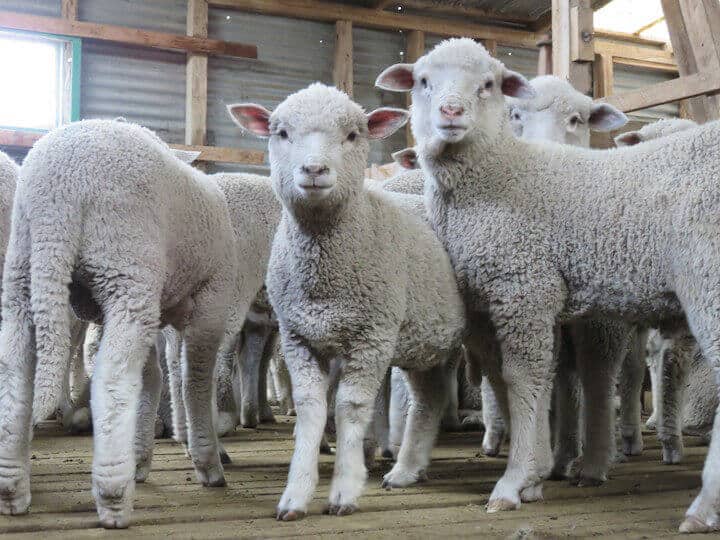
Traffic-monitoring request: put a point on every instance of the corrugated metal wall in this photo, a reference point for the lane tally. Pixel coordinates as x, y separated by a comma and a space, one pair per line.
373, 51
627, 78
47, 8
291, 55
159, 15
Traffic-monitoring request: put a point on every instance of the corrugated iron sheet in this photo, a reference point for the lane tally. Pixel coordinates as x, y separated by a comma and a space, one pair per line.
160, 15
630, 78
291, 55
146, 86
47, 8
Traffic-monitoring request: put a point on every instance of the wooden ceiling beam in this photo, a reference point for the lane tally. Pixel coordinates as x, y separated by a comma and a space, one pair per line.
387, 20
121, 34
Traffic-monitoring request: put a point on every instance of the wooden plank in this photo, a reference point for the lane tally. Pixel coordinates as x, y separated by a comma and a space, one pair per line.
666, 92
603, 76
196, 71
121, 34
699, 109
544, 45
646, 64
343, 57
629, 50
415, 48
387, 20
224, 154
561, 38
69, 9
581, 32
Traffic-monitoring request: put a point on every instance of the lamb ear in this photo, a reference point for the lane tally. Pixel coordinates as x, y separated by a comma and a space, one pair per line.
406, 158
396, 78
630, 138
517, 86
605, 117
385, 121
251, 117
186, 156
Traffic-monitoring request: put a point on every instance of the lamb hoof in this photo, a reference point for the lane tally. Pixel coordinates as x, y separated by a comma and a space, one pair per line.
142, 471
224, 457
290, 515
672, 454
249, 418
340, 509
491, 451
632, 445
210, 475
501, 505
400, 479
651, 423
532, 493
15, 494
14, 505
587, 481
693, 524
114, 507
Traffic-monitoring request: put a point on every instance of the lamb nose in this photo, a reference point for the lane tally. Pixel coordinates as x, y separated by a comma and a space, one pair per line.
451, 111
314, 170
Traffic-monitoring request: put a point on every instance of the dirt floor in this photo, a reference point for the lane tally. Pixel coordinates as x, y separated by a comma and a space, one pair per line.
643, 498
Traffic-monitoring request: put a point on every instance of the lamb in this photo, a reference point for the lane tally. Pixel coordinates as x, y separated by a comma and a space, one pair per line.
355, 277
152, 245
656, 130
532, 230
559, 113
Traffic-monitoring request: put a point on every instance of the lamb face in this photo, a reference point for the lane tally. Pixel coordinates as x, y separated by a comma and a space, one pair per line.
561, 114
457, 92
319, 143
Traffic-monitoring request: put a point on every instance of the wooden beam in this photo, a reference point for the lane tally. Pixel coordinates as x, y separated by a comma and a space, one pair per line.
646, 64
381, 4
343, 57
581, 32
25, 139
371, 18
461, 9
544, 45
561, 38
666, 92
648, 26
603, 76
122, 34
69, 9
415, 48
630, 38
224, 154
196, 71
700, 108
628, 50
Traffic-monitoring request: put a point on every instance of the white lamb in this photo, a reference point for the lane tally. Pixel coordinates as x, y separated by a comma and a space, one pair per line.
145, 241
541, 233
354, 277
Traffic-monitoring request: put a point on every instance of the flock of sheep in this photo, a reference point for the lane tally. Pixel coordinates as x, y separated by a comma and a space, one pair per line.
516, 267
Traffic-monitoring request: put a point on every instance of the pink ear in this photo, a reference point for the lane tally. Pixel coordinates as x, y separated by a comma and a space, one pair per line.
396, 78
385, 121
406, 158
631, 138
251, 117
605, 117
515, 85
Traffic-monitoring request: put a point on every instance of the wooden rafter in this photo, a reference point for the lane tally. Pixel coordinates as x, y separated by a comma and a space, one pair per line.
648, 26
373, 18
121, 34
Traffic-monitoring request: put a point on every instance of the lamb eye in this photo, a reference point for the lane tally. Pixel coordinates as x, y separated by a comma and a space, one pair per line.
488, 85
423, 82
574, 120
352, 136
516, 115
283, 134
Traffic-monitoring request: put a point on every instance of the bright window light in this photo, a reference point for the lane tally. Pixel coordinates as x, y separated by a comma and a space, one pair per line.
641, 17
30, 93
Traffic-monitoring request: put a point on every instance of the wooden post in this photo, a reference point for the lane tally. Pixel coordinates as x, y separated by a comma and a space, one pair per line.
415, 46
343, 59
691, 26
561, 38
571, 17
603, 76
545, 64
69, 10
196, 77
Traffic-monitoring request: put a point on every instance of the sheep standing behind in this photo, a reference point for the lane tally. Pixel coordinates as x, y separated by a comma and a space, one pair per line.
352, 277
533, 231
144, 240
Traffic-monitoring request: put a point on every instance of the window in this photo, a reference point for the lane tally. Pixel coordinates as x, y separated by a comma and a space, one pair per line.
40, 74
